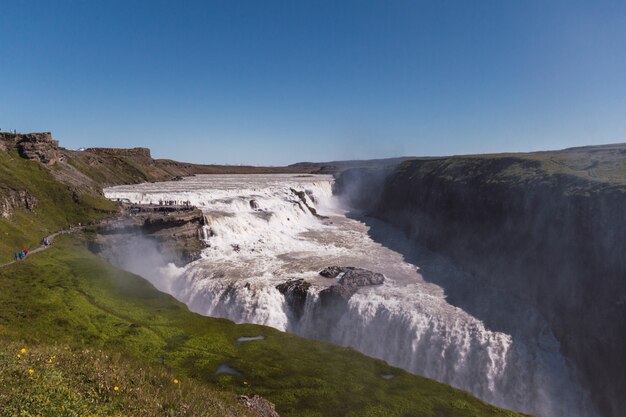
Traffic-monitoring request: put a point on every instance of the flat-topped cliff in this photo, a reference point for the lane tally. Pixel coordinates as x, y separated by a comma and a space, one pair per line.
35, 146
143, 153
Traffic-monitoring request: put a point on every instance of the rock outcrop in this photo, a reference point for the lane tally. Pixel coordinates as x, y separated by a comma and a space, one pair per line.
10, 200
39, 147
258, 404
302, 196
176, 235
331, 271
349, 283
295, 292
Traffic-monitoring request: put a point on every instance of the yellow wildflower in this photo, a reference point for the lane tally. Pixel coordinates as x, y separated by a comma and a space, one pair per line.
175, 381
31, 371
116, 388
18, 356
23, 350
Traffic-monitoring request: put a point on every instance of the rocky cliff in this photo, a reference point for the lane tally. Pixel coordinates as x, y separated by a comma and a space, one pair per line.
35, 146
11, 200
548, 228
175, 235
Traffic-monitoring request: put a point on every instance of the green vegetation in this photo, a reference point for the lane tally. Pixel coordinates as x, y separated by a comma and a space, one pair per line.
55, 205
69, 296
605, 163
58, 381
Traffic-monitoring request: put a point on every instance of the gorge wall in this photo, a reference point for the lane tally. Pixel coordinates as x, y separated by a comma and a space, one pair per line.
547, 229
137, 241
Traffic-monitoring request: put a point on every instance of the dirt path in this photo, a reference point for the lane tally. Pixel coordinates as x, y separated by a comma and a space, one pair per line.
44, 247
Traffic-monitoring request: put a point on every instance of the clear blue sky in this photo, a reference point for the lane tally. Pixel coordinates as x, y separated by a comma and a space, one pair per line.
276, 82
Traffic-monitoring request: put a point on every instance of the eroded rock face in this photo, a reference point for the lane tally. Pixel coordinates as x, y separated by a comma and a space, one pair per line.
39, 147
302, 196
10, 200
258, 404
176, 236
295, 292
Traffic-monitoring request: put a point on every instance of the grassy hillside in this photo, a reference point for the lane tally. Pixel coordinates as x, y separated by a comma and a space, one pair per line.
67, 296
602, 163
55, 380
55, 205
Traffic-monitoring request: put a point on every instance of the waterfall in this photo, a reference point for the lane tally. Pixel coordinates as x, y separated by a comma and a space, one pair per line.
262, 230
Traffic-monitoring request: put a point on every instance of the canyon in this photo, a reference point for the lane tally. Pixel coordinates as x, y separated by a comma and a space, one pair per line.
542, 230
267, 239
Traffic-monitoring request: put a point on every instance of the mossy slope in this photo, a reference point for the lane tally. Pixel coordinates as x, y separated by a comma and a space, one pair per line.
69, 296
56, 204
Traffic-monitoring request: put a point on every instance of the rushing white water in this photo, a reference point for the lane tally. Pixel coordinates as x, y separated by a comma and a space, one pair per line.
261, 233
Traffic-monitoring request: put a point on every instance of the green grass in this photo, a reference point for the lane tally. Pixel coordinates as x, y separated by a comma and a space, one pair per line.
602, 163
109, 170
54, 380
68, 296
57, 205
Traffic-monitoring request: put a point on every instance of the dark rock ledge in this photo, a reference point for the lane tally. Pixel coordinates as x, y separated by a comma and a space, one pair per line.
349, 283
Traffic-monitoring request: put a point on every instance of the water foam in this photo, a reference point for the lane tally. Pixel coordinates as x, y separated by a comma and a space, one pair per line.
261, 233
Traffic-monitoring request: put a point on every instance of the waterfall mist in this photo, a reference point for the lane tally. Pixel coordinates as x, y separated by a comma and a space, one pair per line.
261, 231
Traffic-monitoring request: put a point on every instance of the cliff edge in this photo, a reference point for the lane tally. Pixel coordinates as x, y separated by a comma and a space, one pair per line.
547, 228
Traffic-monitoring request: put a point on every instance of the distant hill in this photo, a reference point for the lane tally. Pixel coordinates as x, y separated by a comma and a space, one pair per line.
334, 167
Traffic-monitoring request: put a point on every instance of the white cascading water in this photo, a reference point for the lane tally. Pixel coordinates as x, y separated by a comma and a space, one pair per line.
260, 234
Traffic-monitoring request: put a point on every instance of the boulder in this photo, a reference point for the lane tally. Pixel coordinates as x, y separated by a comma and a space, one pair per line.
360, 277
353, 276
331, 271
295, 292
258, 404
349, 283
